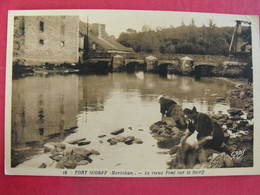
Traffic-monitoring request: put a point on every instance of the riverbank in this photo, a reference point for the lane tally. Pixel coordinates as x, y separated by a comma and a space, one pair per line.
237, 126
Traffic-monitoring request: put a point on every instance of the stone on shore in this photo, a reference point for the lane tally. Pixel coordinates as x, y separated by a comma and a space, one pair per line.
48, 147
117, 131
168, 142
221, 160
67, 152
84, 162
236, 118
229, 123
70, 164
56, 157
250, 116
217, 116
59, 166
60, 145
101, 136
235, 111
76, 141
53, 151
76, 157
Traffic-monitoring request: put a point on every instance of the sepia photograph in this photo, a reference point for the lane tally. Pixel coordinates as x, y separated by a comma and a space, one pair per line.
124, 93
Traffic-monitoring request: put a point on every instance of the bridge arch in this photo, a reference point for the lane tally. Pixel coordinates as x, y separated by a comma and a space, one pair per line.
133, 66
163, 68
206, 70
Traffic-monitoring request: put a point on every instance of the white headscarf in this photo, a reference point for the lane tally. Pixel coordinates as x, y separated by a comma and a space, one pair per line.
160, 96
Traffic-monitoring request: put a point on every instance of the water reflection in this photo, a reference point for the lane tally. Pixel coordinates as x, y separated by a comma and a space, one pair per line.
44, 108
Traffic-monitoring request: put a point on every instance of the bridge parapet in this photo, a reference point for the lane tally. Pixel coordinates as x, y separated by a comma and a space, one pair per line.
93, 60
127, 61
160, 62
205, 64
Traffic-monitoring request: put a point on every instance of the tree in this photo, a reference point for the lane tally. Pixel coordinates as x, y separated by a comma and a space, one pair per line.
130, 30
183, 39
146, 28
192, 23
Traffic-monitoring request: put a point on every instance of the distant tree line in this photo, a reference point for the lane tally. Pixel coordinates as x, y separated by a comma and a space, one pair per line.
185, 39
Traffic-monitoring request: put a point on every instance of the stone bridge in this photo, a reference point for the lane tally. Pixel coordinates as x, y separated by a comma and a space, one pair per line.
183, 66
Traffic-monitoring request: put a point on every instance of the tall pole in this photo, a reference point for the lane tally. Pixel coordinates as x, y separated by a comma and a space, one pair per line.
87, 37
86, 42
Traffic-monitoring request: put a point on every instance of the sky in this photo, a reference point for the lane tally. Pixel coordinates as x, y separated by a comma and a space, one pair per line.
118, 21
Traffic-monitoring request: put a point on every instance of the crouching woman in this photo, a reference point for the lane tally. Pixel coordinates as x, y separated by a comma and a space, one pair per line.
170, 108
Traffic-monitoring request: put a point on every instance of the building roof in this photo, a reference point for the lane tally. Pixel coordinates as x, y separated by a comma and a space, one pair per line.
109, 44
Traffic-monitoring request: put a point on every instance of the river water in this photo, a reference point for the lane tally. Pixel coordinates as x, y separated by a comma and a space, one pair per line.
62, 108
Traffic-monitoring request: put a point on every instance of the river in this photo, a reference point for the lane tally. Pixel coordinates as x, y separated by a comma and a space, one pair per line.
61, 108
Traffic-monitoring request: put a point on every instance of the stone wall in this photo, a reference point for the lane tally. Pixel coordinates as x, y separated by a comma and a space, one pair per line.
51, 39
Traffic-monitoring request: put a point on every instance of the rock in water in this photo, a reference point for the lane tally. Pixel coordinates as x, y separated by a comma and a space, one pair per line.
84, 143
137, 141
119, 138
76, 141
43, 165
83, 152
129, 140
95, 152
100, 136
112, 141
117, 131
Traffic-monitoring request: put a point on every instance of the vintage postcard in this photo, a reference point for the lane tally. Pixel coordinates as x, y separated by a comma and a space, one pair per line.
121, 93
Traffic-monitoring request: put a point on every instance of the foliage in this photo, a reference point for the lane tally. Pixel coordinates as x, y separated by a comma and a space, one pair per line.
188, 39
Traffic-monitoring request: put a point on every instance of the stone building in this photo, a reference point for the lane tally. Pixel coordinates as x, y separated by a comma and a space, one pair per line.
40, 40
46, 39
100, 41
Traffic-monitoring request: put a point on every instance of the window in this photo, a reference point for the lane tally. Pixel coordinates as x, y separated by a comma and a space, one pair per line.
62, 43
41, 42
42, 26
